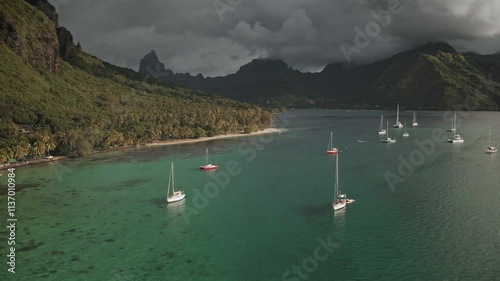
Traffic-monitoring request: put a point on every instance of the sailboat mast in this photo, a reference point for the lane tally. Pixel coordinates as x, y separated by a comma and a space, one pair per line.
206, 156
173, 179
489, 137
337, 177
169, 180
387, 133
381, 123
397, 115
330, 142
455, 125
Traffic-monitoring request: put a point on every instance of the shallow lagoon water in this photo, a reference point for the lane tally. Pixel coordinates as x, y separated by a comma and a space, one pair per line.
105, 217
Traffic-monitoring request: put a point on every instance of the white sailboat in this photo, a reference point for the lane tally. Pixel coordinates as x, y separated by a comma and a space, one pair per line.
388, 139
415, 123
340, 200
381, 130
398, 124
406, 134
207, 165
176, 195
456, 138
331, 149
490, 149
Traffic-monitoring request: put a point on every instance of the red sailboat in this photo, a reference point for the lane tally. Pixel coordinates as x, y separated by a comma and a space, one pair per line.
331, 149
207, 165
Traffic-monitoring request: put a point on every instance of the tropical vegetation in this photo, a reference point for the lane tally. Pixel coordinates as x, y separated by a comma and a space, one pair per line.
74, 103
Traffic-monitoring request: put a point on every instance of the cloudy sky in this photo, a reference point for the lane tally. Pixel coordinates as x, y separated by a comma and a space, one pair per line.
216, 37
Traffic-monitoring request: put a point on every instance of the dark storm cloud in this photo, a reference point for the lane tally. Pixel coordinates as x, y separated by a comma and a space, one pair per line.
215, 37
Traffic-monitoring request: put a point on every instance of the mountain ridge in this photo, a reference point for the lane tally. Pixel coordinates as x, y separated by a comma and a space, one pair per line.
343, 85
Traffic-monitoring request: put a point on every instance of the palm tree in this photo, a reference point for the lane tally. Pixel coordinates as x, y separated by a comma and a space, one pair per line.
38, 149
115, 138
45, 140
5, 155
50, 144
75, 137
20, 150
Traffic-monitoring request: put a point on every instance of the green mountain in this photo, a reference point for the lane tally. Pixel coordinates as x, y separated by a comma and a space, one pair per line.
435, 76
54, 96
432, 76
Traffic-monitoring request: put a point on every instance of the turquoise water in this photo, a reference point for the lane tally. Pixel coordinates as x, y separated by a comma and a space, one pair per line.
105, 217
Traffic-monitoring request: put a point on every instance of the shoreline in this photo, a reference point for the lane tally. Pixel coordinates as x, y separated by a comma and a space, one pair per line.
227, 136
158, 143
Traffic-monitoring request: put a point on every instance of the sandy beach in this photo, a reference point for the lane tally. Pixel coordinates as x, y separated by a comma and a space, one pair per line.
233, 135
159, 143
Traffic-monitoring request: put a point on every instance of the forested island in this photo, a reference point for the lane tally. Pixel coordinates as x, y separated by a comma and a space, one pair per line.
57, 99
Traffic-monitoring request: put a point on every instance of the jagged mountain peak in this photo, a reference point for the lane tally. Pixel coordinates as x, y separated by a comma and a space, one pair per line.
433, 48
152, 53
152, 66
336, 67
420, 76
265, 66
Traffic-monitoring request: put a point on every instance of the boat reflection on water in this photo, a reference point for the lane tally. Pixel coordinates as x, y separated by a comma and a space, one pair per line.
176, 209
339, 215
338, 226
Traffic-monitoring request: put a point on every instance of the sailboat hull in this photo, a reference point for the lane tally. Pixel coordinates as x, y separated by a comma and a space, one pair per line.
490, 150
382, 132
209, 167
389, 140
333, 151
339, 205
415, 124
178, 196
399, 126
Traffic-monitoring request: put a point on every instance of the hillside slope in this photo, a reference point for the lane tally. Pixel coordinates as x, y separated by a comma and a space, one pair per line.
438, 80
73, 103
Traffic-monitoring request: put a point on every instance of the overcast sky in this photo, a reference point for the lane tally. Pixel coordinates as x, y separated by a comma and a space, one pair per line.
216, 37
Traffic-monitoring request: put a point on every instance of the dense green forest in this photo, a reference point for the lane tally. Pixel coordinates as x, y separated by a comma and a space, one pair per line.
56, 99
